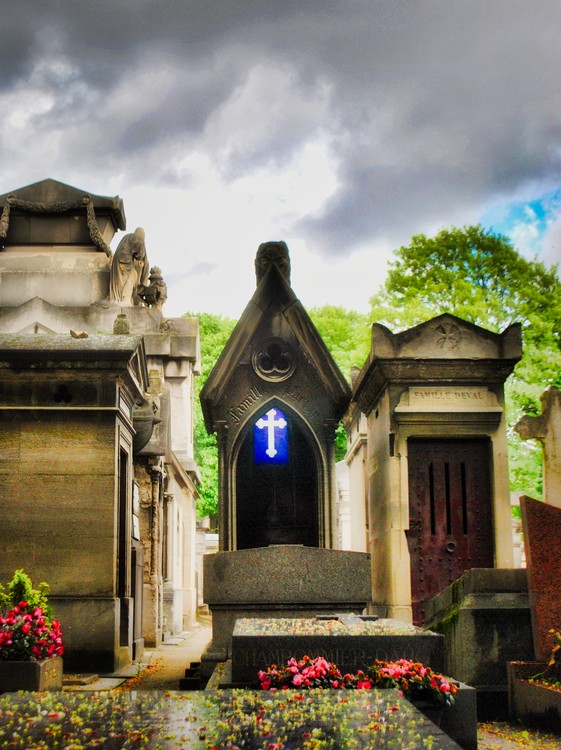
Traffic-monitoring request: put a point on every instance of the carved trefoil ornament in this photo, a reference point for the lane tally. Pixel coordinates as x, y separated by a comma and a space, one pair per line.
274, 360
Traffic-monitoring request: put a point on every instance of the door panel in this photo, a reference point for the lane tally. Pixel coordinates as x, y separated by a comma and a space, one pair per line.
450, 514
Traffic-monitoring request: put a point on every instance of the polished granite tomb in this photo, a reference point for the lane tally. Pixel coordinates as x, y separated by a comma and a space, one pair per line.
223, 720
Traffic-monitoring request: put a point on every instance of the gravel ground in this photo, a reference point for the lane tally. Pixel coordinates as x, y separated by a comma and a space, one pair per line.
503, 736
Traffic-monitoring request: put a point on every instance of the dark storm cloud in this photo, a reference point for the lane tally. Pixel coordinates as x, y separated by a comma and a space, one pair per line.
429, 109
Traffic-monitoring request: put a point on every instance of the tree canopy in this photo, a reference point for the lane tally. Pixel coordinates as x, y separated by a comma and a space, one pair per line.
214, 332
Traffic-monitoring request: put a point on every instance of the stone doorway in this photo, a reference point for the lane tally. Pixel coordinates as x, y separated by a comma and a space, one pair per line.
276, 495
450, 514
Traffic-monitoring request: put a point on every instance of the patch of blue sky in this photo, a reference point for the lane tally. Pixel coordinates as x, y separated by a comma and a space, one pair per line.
524, 221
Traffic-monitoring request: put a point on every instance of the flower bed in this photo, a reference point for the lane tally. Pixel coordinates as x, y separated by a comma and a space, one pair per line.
534, 689
450, 705
411, 679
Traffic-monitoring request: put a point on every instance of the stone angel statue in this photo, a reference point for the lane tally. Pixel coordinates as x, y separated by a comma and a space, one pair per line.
129, 269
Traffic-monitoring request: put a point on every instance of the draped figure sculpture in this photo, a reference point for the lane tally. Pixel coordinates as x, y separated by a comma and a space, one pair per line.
129, 269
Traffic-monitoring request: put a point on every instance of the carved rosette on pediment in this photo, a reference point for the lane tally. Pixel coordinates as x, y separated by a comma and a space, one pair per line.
448, 336
273, 360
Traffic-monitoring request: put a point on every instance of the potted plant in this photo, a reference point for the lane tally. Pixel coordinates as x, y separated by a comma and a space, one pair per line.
30, 639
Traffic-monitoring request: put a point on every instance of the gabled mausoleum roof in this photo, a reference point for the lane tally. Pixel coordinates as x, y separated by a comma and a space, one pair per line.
51, 191
438, 351
276, 308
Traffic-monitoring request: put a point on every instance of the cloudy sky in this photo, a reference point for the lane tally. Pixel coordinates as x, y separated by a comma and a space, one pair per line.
340, 126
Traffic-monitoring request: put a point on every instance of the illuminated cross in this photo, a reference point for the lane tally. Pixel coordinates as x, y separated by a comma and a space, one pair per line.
270, 424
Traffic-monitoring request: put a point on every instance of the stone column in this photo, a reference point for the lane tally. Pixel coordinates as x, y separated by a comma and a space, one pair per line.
547, 429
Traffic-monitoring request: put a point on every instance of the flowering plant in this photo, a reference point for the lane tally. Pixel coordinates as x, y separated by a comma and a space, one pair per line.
27, 630
305, 673
412, 679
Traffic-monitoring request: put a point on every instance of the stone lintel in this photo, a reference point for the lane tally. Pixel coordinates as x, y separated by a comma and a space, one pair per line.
436, 373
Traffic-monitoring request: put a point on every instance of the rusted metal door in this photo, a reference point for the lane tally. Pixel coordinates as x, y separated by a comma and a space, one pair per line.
450, 514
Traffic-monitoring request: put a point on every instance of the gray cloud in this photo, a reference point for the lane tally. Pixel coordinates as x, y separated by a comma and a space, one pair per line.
429, 109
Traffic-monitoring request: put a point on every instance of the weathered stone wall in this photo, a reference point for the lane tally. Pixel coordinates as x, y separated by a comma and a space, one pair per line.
57, 487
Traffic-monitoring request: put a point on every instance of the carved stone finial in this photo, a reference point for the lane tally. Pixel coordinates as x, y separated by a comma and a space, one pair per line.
156, 293
121, 326
269, 253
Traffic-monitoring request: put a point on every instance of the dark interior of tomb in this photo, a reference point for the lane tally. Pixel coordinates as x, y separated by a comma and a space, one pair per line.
277, 503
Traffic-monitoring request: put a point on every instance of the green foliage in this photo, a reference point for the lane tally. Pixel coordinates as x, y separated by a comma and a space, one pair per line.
20, 589
346, 334
214, 331
480, 277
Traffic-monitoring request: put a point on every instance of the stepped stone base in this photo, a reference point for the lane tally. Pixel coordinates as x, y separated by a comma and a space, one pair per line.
279, 581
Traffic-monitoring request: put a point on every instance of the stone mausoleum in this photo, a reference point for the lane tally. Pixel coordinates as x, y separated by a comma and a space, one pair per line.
97, 477
274, 399
428, 458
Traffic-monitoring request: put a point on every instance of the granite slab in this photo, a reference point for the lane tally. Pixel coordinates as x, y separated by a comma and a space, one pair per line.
350, 641
541, 524
332, 720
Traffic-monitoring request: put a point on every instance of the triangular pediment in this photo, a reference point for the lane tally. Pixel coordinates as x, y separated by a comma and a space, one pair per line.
445, 337
274, 308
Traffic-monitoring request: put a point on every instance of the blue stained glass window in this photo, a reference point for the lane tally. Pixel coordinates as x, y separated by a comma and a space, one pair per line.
270, 438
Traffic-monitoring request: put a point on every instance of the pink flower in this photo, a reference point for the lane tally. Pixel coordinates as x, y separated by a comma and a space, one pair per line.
364, 685
297, 680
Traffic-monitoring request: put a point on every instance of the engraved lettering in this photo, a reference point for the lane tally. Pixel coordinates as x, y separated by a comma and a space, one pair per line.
238, 411
295, 395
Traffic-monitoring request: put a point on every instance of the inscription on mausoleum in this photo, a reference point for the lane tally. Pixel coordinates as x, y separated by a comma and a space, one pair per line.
449, 395
457, 398
237, 412
293, 394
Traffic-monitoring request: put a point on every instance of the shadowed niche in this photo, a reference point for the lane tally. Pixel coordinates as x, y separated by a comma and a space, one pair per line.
276, 502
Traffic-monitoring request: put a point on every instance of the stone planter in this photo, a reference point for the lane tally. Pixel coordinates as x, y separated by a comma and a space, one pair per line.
31, 675
531, 703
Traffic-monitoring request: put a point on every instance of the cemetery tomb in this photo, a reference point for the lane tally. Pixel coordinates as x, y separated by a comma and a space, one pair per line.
369, 719
350, 641
429, 403
274, 399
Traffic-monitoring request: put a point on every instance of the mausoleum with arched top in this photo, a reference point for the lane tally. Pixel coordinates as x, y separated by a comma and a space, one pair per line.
274, 399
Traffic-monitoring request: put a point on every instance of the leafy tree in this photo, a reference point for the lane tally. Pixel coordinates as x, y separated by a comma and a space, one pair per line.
214, 331
346, 334
480, 277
